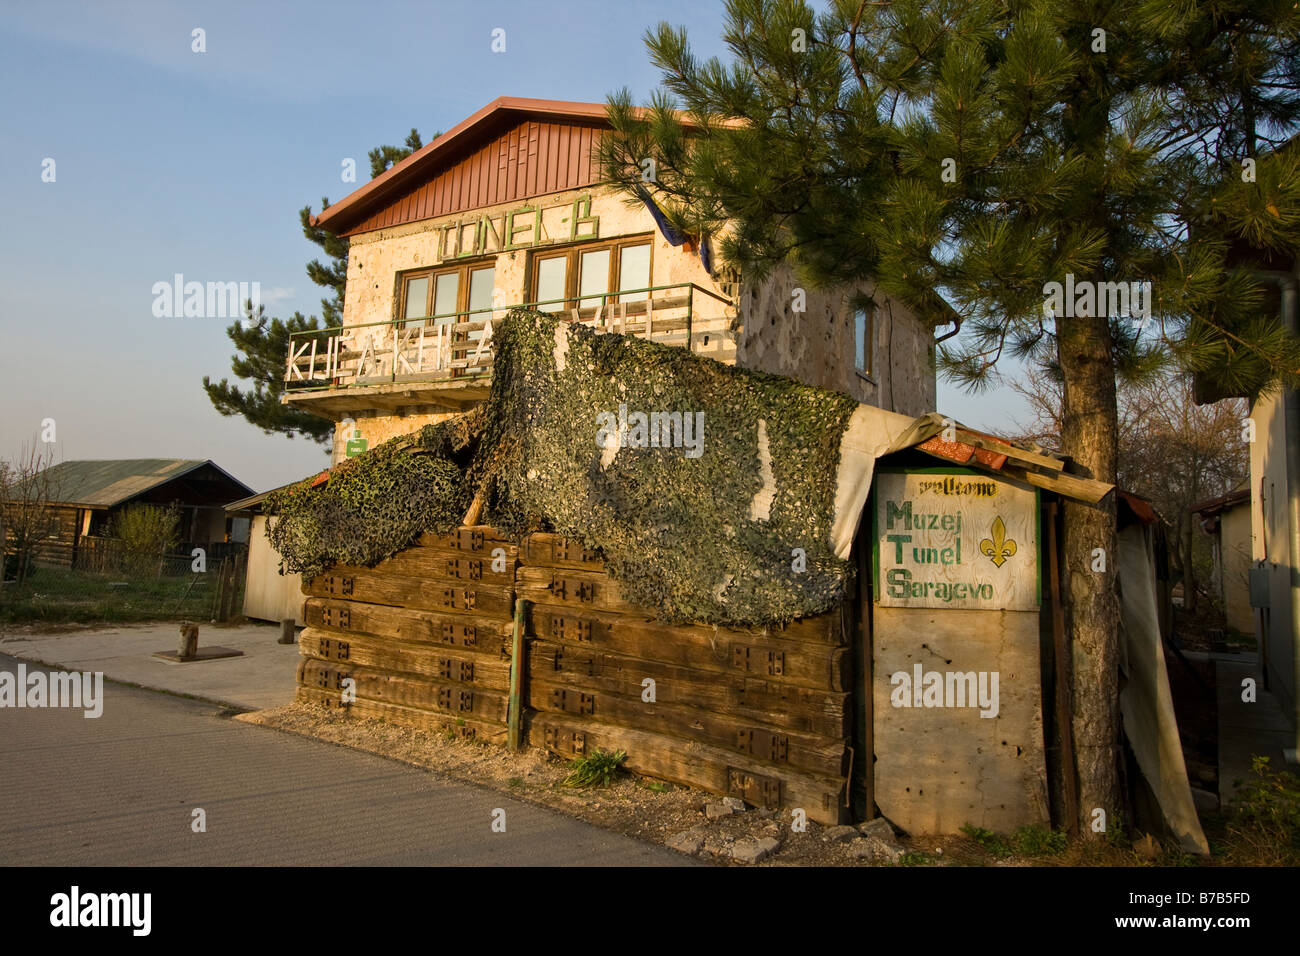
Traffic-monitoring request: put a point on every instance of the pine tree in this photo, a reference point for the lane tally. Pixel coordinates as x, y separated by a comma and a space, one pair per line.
973, 151
263, 344
383, 158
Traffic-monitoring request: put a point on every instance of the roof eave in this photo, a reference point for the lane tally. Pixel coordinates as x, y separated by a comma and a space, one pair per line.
351, 209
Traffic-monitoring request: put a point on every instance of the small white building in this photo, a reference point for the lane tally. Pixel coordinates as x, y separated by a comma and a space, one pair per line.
268, 594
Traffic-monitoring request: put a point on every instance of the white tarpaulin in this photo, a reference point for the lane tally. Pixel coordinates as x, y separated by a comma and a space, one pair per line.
1145, 701
872, 432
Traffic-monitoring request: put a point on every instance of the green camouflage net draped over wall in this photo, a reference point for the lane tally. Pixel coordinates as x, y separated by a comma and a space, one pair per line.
675, 527
676, 531
372, 507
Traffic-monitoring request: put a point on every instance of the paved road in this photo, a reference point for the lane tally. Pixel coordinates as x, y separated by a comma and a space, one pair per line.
120, 790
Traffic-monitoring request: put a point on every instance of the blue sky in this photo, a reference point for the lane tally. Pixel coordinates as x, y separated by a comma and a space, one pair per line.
170, 161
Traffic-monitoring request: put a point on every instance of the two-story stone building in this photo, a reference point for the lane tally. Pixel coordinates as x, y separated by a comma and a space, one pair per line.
794, 703
506, 209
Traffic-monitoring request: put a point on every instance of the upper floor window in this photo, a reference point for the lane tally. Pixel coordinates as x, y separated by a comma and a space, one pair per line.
591, 275
862, 333
436, 296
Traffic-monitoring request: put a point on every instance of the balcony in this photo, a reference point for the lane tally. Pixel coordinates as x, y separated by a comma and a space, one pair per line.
446, 360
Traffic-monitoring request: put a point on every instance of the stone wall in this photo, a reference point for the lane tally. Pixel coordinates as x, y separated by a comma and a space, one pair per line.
818, 345
377, 427
1234, 544
815, 346
376, 258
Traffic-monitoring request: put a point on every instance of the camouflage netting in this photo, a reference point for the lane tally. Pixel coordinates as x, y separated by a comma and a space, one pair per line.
372, 507
676, 531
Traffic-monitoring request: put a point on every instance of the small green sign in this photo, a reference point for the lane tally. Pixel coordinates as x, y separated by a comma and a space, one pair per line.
356, 445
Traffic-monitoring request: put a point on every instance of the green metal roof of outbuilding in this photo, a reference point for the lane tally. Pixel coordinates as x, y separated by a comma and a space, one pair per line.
107, 483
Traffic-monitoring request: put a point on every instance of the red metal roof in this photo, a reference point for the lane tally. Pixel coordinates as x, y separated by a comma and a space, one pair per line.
349, 214
1141, 508
962, 453
982, 450
1213, 506
512, 149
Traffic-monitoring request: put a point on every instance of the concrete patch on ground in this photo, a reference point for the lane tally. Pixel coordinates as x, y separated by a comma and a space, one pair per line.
264, 676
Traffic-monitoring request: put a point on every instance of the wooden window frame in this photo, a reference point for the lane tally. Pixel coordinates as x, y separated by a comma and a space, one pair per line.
462, 269
573, 256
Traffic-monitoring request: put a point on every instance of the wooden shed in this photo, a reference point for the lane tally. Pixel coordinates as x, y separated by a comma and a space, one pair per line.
82, 497
269, 594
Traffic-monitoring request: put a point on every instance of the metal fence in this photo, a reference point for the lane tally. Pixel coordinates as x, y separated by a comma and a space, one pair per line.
108, 585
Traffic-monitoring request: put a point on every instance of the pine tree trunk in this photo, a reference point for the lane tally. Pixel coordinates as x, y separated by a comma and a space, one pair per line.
1089, 429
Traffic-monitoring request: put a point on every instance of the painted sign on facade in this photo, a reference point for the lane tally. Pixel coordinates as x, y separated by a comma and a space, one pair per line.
524, 227
955, 540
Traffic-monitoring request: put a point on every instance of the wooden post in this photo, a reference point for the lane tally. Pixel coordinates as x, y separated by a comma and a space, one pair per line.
475, 509
189, 645
227, 579
864, 673
225, 589
237, 579
287, 628
515, 705
216, 597
232, 589
1061, 650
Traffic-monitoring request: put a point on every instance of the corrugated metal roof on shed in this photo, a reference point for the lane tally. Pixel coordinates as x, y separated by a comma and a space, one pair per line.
106, 483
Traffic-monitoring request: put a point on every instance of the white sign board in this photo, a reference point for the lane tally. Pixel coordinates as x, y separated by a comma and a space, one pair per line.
948, 540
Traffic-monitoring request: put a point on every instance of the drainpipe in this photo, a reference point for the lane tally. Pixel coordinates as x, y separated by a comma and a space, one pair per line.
1286, 283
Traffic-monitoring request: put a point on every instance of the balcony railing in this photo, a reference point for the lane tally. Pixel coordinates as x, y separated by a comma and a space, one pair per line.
458, 346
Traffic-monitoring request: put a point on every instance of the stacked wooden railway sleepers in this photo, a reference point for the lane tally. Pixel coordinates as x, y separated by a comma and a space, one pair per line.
425, 635
763, 715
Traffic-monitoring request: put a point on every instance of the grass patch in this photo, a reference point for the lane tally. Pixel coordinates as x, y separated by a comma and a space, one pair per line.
1037, 840
1033, 841
64, 596
991, 843
597, 769
1262, 825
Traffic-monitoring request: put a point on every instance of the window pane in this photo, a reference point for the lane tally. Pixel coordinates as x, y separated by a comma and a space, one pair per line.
445, 288
550, 282
480, 289
480, 297
417, 299
862, 345
593, 277
634, 271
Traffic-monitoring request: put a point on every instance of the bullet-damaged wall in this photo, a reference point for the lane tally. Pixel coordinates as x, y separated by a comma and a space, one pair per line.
377, 260
818, 345
761, 329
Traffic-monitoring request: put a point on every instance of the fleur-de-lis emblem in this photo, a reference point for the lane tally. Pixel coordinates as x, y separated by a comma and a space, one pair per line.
999, 547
